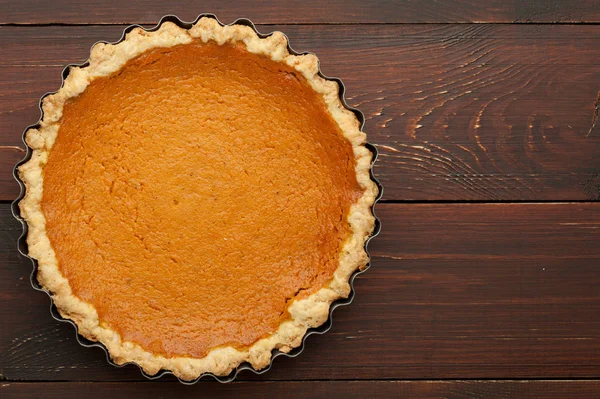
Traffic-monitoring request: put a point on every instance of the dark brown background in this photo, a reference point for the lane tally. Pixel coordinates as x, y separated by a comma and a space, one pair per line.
486, 278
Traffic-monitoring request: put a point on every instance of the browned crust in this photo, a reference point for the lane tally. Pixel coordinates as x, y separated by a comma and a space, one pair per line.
312, 311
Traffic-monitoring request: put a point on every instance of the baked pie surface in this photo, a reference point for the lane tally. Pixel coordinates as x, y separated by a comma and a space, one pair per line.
197, 198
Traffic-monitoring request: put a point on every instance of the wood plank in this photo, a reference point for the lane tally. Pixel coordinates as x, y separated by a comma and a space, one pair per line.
313, 389
9, 156
299, 11
459, 112
455, 291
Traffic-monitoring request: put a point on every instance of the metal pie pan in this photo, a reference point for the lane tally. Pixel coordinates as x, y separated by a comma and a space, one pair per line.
22, 244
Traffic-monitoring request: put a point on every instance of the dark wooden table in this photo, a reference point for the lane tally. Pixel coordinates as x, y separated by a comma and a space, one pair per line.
486, 278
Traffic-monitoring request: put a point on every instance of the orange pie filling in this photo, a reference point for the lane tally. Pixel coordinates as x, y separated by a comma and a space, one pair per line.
192, 195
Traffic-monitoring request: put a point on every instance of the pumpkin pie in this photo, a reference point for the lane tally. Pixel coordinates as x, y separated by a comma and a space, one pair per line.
197, 198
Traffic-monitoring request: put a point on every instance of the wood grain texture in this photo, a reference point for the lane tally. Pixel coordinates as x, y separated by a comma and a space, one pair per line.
313, 389
299, 11
479, 290
9, 156
459, 112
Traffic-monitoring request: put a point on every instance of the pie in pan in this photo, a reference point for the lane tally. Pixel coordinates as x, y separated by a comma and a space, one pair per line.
197, 198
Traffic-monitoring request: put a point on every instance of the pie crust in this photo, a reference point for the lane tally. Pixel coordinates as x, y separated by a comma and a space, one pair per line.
309, 312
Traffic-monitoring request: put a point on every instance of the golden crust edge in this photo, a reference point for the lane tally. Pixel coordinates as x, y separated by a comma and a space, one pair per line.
305, 313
